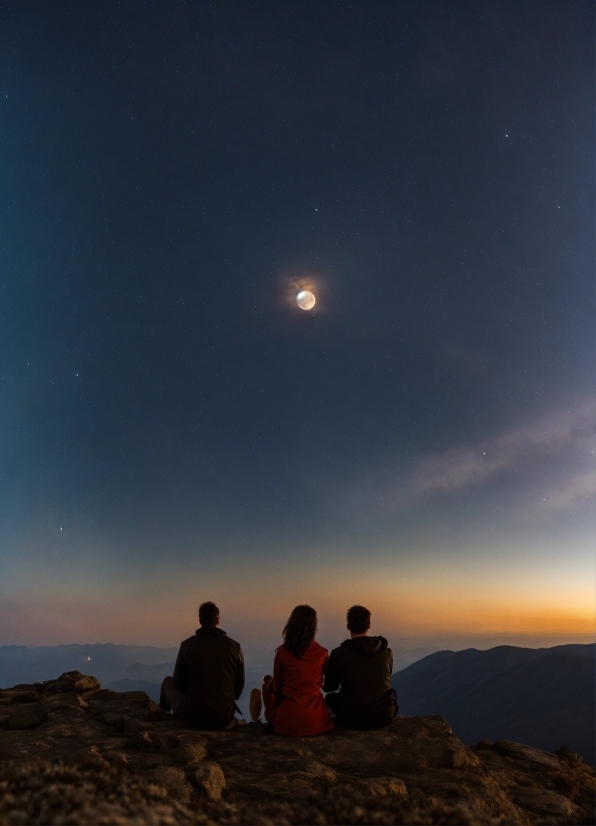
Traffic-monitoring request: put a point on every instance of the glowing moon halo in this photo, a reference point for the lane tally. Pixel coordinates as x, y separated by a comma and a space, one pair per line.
305, 300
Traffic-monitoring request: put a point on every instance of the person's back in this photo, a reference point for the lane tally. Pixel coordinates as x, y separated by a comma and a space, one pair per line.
294, 704
361, 669
207, 670
208, 676
301, 708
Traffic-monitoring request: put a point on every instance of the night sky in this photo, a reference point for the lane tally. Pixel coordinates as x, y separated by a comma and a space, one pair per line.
174, 428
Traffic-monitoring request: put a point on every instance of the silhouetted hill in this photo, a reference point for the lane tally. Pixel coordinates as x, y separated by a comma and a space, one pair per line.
543, 697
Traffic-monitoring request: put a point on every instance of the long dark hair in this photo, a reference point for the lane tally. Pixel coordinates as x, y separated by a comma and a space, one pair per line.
300, 629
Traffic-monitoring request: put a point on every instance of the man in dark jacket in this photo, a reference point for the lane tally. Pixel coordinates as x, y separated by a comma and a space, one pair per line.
361, 669
208, 676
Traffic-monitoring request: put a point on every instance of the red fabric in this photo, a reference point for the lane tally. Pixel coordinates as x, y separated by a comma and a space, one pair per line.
293, 699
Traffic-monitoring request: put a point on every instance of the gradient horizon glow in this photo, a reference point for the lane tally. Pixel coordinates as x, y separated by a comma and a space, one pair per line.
175, 429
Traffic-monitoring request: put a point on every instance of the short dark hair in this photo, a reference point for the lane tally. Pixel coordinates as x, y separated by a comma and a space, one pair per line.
300, 629
358, 619
208, 613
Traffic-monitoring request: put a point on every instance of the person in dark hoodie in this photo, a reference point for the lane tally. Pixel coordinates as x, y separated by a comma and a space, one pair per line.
208, 676
361, 669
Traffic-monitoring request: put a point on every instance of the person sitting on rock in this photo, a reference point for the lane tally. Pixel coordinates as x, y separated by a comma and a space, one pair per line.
361, 669
293, 701
208, 676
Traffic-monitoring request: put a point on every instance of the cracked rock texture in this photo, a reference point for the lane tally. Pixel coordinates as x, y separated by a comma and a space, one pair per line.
72, 753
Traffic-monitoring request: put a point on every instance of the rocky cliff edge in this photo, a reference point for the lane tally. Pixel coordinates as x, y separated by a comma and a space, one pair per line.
73, 753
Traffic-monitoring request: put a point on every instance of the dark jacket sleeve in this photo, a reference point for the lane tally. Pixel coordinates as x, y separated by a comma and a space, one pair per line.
239, 680
180, 676
332, 676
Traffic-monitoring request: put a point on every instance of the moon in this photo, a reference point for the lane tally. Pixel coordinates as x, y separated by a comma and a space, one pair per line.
305, 300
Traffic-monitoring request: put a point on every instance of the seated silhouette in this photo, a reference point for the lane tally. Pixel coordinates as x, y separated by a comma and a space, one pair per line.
293, 701
361, 669
208, 676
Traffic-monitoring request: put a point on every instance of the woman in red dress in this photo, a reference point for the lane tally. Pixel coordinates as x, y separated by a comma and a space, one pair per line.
292, 698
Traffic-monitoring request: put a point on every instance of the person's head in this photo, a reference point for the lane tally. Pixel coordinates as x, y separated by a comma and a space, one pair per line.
358, 620
208, 615
300, 629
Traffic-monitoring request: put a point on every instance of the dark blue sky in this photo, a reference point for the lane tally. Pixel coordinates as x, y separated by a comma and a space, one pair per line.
172, 425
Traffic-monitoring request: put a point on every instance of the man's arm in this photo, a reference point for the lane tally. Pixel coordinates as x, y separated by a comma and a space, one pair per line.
239, 679
179, 676
332, 676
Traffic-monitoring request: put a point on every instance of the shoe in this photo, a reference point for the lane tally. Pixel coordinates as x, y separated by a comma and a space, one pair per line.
232, 724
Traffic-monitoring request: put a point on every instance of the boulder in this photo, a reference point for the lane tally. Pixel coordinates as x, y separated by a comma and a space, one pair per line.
382, 786
546, 803
28, 716
26, 697
208, 779
190, 749
174, 781
71, 681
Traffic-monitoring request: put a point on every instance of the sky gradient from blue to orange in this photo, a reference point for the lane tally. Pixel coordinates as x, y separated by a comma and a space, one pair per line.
173, 428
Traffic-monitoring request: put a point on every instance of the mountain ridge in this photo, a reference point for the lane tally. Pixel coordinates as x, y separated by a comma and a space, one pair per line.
544, 697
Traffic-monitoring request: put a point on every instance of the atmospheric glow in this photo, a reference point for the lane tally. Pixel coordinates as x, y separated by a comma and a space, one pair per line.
468, 602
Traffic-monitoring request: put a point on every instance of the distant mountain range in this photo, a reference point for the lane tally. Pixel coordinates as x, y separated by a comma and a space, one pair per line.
543, 697
107, 662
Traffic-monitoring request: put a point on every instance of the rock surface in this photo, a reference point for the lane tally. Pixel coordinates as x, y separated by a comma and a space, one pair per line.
71, 752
